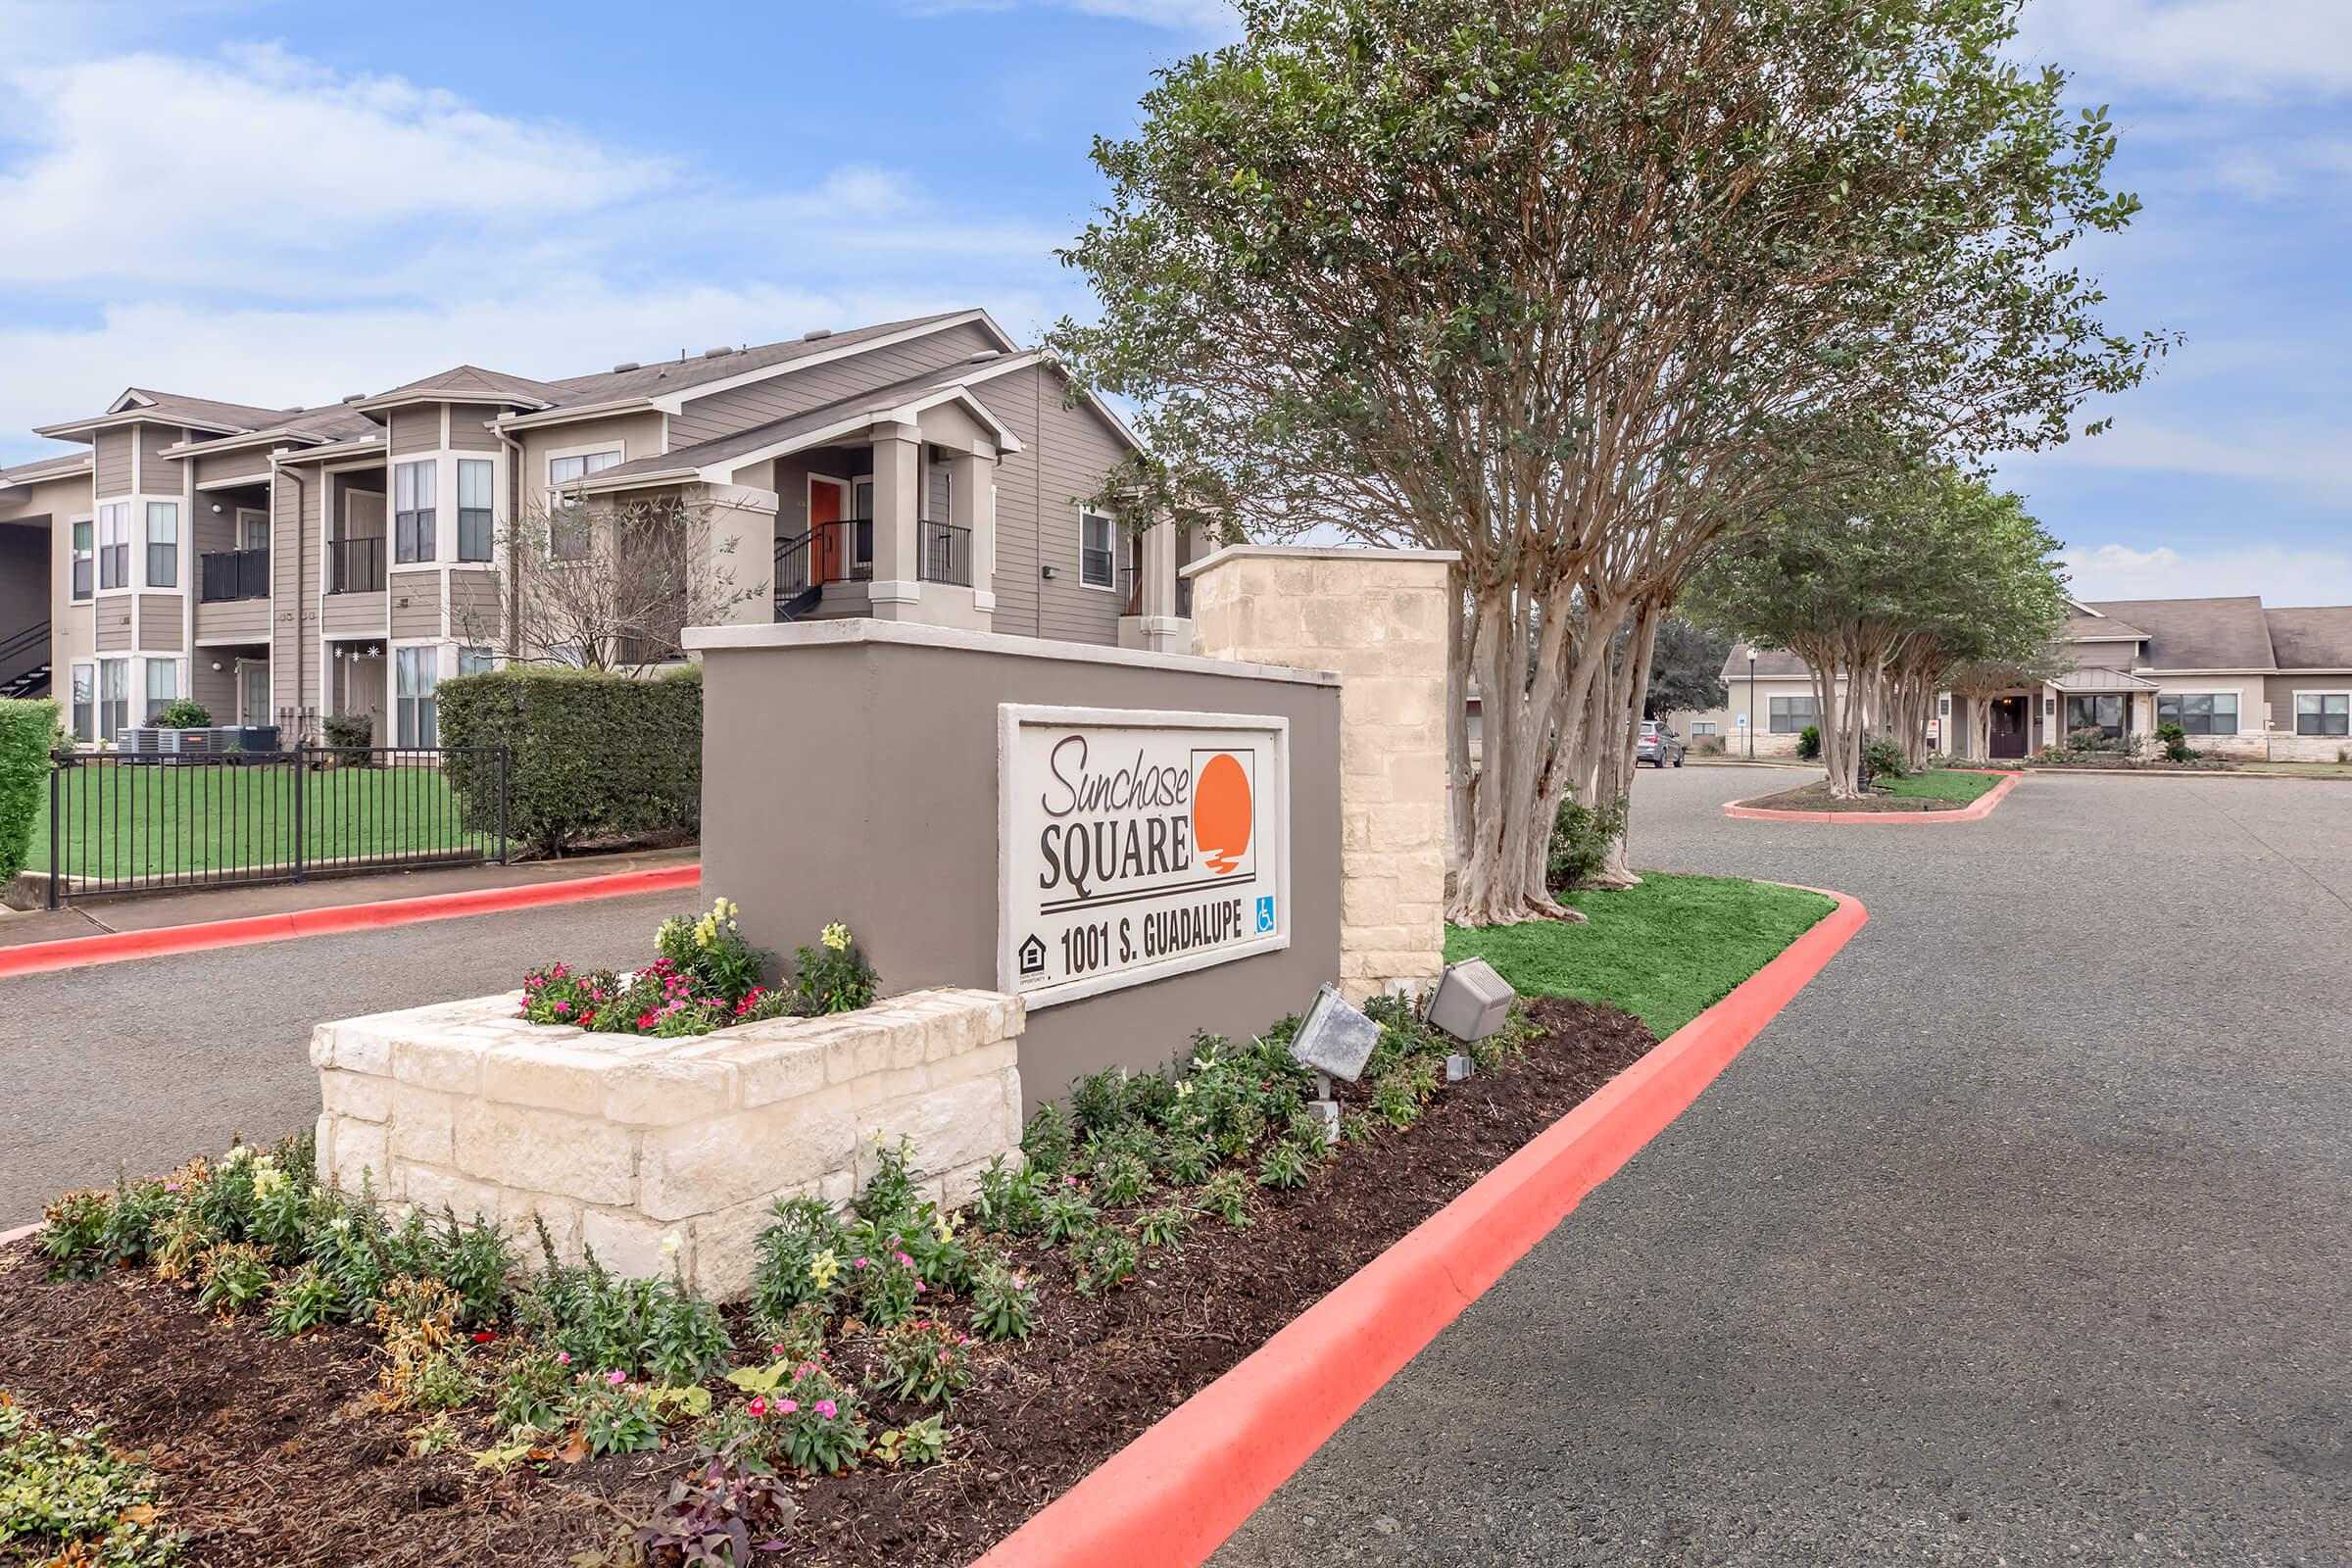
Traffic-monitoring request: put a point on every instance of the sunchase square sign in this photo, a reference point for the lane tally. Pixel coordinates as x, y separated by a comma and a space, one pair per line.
1135, 845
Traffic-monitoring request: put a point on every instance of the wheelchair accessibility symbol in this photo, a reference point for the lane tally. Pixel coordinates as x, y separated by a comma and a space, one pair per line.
1265, 914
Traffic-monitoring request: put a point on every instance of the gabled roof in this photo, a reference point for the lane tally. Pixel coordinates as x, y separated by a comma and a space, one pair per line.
2312, 638
2090, 626
2197, 633
50, 468
462, 383
139, 405
1772, 664
669, 376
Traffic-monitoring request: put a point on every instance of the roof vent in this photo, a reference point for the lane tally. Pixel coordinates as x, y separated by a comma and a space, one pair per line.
719, 353
985, 355
625, 367
355, 396
816, 334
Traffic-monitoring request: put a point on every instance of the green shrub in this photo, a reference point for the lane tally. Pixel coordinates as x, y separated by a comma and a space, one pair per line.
74, 1495
591, 755
2176, 742
355, 730
1882, 757
1581, 836
28, 735
184, 713
1808, 743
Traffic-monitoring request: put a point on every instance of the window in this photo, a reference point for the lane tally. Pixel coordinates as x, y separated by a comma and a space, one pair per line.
83, 561
475, 662
473, 507
1790, 715
1702, 726
253, 528
413, 509
85, 702
2103, 712
114, 696
163, 685
2324, 712
113, 545
416, 672
2199, 713
163, 544
1097, 557
568, 541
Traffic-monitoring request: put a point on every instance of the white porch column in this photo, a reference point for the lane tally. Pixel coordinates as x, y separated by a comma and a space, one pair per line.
1157, 625
897, 587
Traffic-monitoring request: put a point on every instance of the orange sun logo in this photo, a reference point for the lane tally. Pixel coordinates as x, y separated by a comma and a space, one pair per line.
1222, 812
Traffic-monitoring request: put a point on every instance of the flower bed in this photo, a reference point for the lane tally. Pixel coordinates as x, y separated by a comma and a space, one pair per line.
705, 976
366, 1389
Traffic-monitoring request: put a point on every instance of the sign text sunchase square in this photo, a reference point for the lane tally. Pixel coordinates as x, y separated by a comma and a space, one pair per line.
1137, 845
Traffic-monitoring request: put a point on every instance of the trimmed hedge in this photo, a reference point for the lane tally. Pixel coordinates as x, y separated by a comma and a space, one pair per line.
592, 754
27, 734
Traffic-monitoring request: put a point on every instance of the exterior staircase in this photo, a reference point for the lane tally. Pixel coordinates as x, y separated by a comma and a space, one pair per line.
25, 680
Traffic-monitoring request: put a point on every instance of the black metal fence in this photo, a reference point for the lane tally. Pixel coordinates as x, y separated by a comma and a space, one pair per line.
162, 821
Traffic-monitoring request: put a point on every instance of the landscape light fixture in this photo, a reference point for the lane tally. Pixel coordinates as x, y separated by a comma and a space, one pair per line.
1471, 1001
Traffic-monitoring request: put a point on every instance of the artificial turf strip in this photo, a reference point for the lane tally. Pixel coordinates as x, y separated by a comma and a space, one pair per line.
1940, 784
1664, 951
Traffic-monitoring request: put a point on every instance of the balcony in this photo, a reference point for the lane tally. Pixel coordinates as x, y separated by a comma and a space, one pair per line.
354, 566
228, 575
943, 553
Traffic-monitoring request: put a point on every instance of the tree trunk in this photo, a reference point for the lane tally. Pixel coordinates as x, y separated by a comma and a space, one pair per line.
1457, 731
1616, 774
1525, 728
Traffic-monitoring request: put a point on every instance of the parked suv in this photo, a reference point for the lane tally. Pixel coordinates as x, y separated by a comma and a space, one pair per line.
1657, 746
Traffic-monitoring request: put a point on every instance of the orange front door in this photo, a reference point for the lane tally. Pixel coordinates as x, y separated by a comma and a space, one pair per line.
824, 510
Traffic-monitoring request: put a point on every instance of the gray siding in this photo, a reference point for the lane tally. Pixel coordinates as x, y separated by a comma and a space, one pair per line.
474, 615
417, 429
253, 466
114, 463
794, 392
467, 432
113, 623
352, 616
294, 567
1065, 455
161, 623
241, 620
416, 603
159, 476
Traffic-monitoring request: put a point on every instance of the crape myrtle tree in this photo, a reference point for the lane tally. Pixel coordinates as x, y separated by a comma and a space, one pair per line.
1887, 588
1559, 285
1685, 668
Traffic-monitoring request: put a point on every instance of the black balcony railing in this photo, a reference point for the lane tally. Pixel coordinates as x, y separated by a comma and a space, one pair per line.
943, 553
354, 566
831, 552
234, 574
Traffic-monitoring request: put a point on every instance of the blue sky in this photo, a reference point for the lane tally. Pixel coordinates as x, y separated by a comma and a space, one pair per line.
277, 203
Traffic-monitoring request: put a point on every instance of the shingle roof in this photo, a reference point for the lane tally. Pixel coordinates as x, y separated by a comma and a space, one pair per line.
671, 375
45, 468
2312, 638
468, 381
2082, 627
2197, 633
1772, 664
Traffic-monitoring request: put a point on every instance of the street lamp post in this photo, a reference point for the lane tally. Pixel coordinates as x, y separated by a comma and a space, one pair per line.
1751, 705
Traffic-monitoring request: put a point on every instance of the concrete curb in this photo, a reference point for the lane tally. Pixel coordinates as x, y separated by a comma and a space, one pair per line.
1169, 1498
114, 947
1975, 811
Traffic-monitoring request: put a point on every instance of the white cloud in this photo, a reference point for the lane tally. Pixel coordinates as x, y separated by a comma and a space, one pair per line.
2200, 48
2281, 575
2300, 454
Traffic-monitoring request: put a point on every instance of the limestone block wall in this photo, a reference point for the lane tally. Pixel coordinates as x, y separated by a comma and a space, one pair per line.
618, 1142
1379, 618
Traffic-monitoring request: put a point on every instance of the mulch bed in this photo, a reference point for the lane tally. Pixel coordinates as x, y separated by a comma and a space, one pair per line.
1816, 797
273, 1451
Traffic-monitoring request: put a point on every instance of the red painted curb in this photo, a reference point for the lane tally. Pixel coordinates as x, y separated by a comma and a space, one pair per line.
1169, 1498
114, 947
1975, 811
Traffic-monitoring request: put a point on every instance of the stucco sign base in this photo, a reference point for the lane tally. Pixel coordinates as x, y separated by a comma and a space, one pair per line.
617, 1142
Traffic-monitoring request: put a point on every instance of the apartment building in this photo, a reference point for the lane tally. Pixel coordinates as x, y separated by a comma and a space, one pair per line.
2241, 680
283, 564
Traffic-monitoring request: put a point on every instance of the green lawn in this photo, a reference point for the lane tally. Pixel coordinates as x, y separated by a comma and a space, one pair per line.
1939, 784
1665, 951
146, 821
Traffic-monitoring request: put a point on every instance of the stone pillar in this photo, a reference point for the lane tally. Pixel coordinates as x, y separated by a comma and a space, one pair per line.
897, 588
1379, 618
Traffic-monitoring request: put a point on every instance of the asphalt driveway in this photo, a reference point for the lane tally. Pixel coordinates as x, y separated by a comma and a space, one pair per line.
2023, 1235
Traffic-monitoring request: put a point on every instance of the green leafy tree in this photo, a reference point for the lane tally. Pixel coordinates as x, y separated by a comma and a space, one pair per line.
1685, 668
1887, 588
1559, 285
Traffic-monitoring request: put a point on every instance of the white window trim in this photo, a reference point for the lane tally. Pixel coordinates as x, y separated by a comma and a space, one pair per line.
445, 658
2236, 693
145, 525
268, 702
459, 457
445, 488
2295, 728
258, 513
73, 523
130, 515
1112, 586
616, 445
73, 676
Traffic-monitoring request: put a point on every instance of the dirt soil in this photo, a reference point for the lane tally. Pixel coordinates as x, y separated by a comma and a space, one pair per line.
1816, 797
273, 1453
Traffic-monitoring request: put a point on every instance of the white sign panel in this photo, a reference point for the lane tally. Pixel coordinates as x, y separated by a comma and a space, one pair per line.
1136, 844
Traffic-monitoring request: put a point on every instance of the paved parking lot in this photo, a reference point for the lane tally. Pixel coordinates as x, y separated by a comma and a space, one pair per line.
2023, 1235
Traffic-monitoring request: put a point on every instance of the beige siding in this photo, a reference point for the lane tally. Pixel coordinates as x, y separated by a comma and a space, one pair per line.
2106, 655
416, 603
417, 429
352, 616
635, 435
475, 615
1066, 454
249, 467
795, 391
113, 623
161, 623
159, 476
294, 574
114, 463
232, 620
467, 427
57, 503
